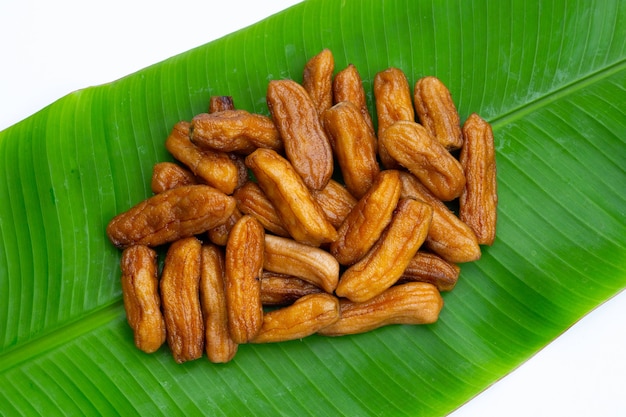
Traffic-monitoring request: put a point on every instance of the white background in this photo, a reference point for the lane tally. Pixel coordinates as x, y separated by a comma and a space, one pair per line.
51, 48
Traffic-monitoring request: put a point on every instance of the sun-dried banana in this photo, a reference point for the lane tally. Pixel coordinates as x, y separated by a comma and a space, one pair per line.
301, 216
411, 145
437, 112
304, 317
317, 79
171, 215
180, 286
448, 236
140, 290
219, 346
309, 263
410, 303
244, 258
306, 145
367, 219
354, 146
384, 264
217, 169
479, 200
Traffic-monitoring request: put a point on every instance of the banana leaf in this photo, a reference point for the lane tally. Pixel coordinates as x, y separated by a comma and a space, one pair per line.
549, 76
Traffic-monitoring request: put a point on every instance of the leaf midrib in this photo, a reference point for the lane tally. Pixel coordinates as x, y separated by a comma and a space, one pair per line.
518, 113
38, 346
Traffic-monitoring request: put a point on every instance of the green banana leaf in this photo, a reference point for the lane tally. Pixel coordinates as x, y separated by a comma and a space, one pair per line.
549, 76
